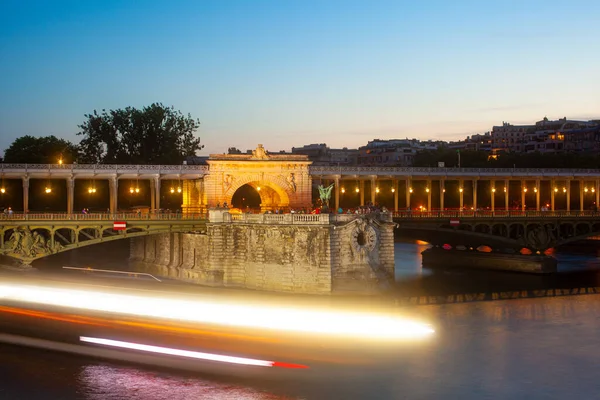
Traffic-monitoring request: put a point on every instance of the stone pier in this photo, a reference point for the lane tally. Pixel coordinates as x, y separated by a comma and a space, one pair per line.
299, 253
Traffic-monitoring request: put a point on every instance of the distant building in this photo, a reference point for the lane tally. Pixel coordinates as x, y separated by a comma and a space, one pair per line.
321, 154
393, 152
547, 136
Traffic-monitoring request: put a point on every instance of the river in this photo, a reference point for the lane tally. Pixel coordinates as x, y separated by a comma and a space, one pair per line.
541, 348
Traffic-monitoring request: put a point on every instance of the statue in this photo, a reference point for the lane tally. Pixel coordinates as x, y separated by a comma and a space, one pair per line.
325, 194
227, 181
260, 153
291, 180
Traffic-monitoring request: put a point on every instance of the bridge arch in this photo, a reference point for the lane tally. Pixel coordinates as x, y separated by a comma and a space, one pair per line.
273, 190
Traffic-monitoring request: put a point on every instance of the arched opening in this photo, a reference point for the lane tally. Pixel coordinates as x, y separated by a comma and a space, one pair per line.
246, 198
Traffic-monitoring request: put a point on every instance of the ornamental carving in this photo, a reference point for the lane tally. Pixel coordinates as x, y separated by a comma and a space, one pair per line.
26, 244
364, 236
260, 153
539, 238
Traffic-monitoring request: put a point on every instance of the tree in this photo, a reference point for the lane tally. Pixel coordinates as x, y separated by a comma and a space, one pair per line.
153, 135
41, 150
233, 150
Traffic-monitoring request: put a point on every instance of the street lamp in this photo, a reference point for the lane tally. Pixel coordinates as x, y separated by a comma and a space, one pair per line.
2, 190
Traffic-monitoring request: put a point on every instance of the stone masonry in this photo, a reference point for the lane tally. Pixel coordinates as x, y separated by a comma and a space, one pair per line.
299, 253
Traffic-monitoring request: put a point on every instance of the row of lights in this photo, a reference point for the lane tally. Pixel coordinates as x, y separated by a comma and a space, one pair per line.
410, 190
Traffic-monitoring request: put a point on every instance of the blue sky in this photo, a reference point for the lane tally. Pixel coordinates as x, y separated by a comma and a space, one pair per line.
287, 73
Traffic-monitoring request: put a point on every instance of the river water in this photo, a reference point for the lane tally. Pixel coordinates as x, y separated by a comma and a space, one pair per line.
540, 348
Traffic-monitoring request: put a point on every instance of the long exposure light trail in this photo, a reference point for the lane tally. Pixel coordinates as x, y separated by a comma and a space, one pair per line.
188, 353
341, 323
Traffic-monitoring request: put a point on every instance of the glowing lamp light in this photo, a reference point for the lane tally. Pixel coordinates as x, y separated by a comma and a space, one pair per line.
460, 190
2, 190
535, 189
131, 190
555, 190
178, 190
172, 190
343, 190
564, 190
258, 188
48, 190
525, 190
376, 190
410, 190
137, 189
60, 160
493, 190
593, 190
427, 190
357, 190
443, 190
585, 190
393, 190
504, 190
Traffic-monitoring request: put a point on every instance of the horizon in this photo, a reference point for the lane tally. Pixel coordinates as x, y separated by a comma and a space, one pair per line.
299, 73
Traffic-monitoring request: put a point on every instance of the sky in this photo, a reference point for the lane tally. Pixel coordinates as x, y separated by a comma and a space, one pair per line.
289, 73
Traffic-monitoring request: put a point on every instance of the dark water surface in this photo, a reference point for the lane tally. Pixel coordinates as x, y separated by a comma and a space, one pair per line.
544, 348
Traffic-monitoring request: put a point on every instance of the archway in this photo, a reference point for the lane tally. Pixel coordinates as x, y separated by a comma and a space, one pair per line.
246, 198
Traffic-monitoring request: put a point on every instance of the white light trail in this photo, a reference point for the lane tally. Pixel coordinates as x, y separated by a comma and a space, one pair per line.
341, 323
186, 353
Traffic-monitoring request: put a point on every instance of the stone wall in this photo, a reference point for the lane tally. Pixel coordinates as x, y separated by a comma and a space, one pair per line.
355, 254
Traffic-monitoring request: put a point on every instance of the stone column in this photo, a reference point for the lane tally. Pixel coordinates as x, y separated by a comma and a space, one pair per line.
597, 190
408, 189
395, 188
26, 193
373, 188
552, 193
429, 195
537, 195
70, 194
157, 192
442, 193
523, 194
337, 192
474, 195
152, 197
492, 194
506, 205
581, 194
113, 185
361, 189
461, 190
568, 186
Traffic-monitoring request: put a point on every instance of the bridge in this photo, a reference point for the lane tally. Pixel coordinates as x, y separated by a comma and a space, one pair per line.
536, 231
288, 181
28, 237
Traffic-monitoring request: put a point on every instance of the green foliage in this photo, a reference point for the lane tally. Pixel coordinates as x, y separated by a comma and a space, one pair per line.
233, 150
42, 150
153, 135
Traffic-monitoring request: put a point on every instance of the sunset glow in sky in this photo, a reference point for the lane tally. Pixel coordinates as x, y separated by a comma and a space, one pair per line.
289, 73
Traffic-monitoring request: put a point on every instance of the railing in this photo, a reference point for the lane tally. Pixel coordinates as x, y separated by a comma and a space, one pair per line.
100, 217
495, 214
434, 171
299, 219
202, 169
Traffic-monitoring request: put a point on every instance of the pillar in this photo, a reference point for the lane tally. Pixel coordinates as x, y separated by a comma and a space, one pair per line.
373, 188
552, 193
568, 186
361, 189
537, 195
337, 192
26, 194
157, 192
581, 194
597, 190
429, 195
442, 192
523, 194
70, 194
506, 205
475, 195
395, 189
408, 189
152, 197
461, 190
113, 185
492, 194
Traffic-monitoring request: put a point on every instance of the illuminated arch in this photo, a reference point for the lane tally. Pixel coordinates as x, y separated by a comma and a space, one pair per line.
272, 186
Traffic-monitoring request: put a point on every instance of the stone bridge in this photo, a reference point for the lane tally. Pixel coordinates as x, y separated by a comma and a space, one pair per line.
500, 230
28, 237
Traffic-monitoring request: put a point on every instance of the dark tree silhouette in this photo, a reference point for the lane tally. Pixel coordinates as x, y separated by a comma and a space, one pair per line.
153, 135
40, 150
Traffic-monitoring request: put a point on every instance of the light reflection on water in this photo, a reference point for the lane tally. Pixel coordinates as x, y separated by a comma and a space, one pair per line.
107, 382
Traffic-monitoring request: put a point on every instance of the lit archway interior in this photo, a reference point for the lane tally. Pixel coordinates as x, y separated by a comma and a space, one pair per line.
255, 196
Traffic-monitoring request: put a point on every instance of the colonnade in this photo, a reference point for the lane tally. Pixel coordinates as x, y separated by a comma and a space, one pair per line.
556, 187
113, 184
